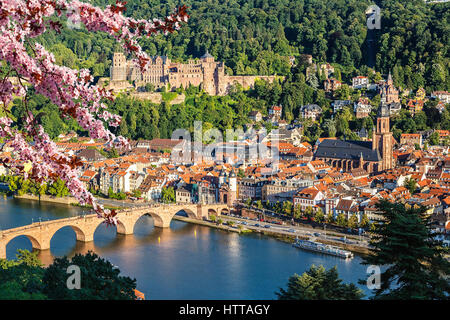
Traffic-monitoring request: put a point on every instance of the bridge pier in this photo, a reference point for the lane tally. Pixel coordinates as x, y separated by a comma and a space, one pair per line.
43, 244
85, 237
2, 251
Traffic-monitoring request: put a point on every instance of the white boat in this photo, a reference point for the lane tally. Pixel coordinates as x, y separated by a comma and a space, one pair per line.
323, 248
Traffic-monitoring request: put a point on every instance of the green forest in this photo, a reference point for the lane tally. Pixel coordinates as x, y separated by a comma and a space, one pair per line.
142, 119
257, 37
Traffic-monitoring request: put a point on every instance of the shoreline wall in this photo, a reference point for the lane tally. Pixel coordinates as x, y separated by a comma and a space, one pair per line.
46, 198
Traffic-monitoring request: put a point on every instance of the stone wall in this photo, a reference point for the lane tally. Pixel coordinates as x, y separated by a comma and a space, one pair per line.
156, 97
248, 81
46, 198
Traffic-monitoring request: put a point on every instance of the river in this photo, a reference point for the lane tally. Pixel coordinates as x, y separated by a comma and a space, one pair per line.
185, 261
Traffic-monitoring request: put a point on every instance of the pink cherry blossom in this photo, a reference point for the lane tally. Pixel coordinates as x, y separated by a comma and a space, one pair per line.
71, 90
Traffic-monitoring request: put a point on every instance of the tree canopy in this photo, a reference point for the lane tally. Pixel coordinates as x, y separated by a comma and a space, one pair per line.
404, 244
319, 284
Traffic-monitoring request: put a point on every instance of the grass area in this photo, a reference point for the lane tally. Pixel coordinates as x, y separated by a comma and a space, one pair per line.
168, 96
90, 207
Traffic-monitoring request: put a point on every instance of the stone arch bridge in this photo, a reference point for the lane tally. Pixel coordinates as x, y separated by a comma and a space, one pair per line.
40, 233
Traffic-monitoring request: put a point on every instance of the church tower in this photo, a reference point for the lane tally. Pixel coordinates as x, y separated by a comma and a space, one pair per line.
382, 138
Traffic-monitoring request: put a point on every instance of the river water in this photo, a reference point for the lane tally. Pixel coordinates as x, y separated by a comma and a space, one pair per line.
185, 261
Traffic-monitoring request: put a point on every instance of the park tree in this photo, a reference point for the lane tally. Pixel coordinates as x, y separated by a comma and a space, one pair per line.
434, 139
411, 185
259, 204
364, 221
319, 284
341, 220
415, 267
319, 216
287, 208
71, 90
58, 188
309, 213
168, 195
297, 212
353, 221
330, 218
330, 126
137, 193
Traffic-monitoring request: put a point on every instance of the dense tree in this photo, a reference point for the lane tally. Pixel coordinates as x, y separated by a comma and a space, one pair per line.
99, 280
411, 185
319, 284
319, 216
168, 195
21, 279
341, 220
404, 244
353, 221
258, 37
364, 221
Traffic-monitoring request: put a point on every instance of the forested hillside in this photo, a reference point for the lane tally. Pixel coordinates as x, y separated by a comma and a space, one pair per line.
257, 36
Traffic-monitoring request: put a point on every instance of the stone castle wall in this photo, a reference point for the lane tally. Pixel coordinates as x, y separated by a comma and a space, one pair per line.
204, 72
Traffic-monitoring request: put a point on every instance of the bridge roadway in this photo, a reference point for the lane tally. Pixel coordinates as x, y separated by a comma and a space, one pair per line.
40, 233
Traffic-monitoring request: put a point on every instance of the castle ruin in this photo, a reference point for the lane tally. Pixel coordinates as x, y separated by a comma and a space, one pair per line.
162, 71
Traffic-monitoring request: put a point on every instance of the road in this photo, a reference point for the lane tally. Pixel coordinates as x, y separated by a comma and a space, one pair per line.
294, 230
268, 213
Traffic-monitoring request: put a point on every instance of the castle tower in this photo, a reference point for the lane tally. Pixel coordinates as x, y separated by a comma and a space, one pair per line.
209, 73
119, 67
382, 138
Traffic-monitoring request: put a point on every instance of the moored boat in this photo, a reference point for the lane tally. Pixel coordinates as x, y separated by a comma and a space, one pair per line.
323, 248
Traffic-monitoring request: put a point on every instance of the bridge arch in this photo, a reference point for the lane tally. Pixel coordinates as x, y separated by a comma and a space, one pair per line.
126, 224
35, 243
189, 213
212, 211
121, 228
40, 234
81, 235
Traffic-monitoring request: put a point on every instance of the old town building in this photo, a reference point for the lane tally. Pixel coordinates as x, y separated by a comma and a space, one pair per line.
372, 156
388, 92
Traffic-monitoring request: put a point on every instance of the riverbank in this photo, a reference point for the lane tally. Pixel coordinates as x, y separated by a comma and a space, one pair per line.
206, 223
277, 234
46, 198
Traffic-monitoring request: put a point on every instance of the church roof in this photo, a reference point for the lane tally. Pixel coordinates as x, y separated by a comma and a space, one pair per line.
348, 149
